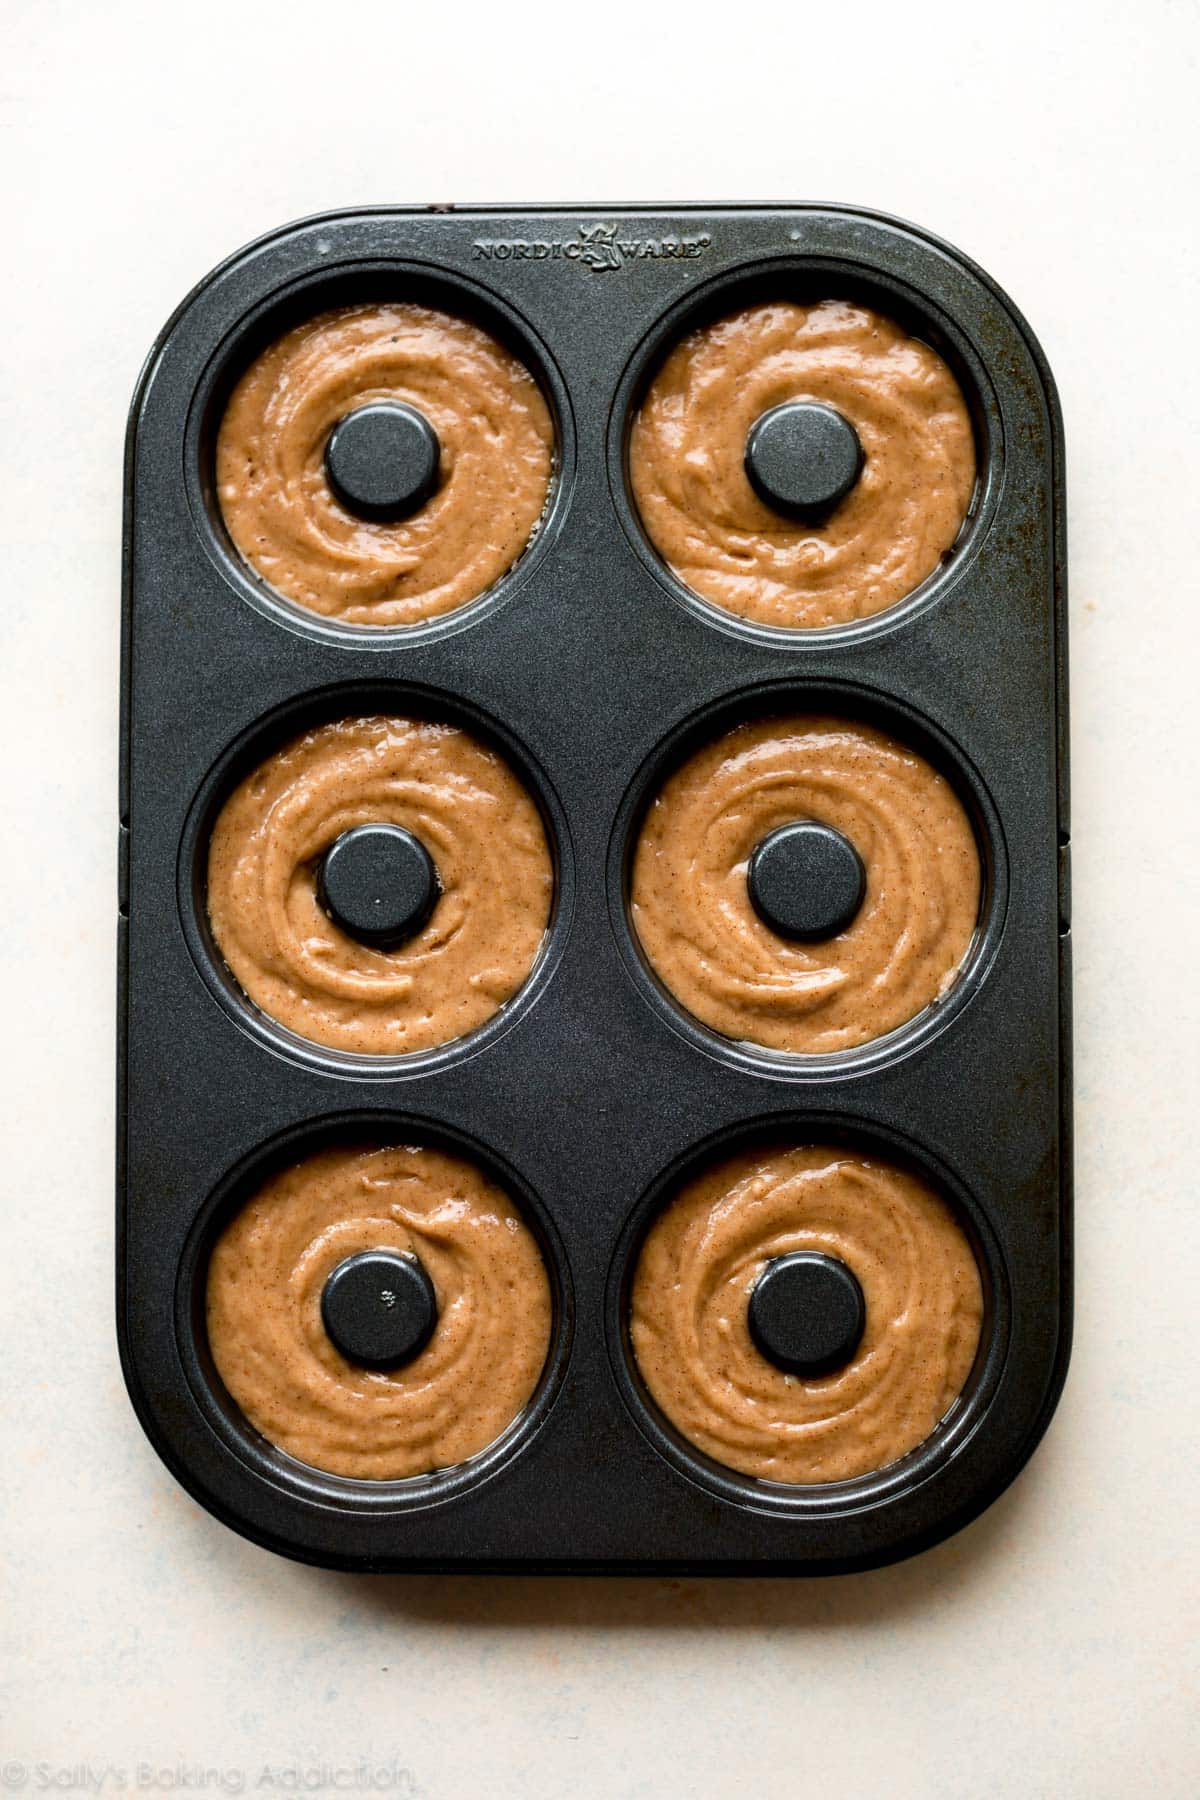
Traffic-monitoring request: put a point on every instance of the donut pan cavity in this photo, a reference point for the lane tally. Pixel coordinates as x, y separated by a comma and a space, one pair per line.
591, 1094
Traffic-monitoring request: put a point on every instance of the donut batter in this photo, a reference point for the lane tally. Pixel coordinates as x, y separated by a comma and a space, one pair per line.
701, 1258
497, 444
474, 1376
476, 820
687, 462
692, 911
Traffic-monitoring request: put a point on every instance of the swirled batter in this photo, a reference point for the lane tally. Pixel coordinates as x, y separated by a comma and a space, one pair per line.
473, 1377
497, 443
693, 914
687, 462
476, 820
701, 1258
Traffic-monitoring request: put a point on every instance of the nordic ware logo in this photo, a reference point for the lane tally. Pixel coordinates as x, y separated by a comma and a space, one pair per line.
596, 247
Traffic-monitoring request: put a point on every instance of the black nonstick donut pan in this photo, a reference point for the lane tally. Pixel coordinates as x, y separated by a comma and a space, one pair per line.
590, 1094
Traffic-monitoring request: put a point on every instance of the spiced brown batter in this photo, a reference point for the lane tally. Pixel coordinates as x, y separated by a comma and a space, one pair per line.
497, 444
689, 1328
687, 462
467, 1385
693, 914
476, 820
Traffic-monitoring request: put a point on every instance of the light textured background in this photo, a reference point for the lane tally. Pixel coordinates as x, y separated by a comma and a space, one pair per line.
1047, 1651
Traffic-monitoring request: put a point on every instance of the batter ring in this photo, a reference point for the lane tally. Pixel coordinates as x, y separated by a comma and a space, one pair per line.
481, 827
701, 513
497, 446
700, 1261
691, 907
474, 1376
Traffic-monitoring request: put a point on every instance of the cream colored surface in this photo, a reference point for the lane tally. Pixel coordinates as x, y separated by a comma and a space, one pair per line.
687, 462
468, 1384
477, 822
1047, 1652
700, 1261
692, 911
497, 442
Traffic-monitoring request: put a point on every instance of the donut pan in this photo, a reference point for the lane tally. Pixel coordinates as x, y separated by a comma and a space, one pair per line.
590, 1094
